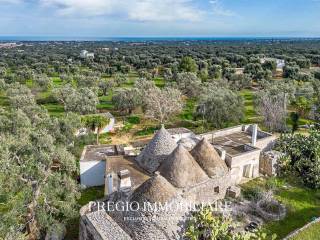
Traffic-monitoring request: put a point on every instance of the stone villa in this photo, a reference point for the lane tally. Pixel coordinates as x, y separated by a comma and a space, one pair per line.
175, 167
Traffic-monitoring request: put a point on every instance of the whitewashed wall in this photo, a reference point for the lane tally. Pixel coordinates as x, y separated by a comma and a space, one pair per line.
92, 173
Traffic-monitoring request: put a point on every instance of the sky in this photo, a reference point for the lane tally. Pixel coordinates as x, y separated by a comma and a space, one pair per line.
160, 18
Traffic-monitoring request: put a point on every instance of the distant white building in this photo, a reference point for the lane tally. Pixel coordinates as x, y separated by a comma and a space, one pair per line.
83, 53
280, 63
86, 54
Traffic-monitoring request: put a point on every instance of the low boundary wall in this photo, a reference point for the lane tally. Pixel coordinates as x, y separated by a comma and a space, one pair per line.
294, 233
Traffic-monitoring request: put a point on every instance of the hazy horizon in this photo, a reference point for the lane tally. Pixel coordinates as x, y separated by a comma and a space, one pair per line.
26, 38
166, 18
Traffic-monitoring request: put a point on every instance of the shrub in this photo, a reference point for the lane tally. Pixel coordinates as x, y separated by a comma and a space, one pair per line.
146, 131
302, 157
133, 119
81, 141
252, 193
205, 225
273, 183
127, 127
47, 100
317, 75
271, 207
105, 138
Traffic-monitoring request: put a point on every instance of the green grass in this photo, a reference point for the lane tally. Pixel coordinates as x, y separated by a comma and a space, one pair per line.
312, 232
302, 205
106, 102
302, 121
87, 195
133, 74
159, 82
132, 77
43, 94
57, 82
91, 194
55, 110
250, 114
3, 205
3, 99
146, 131
29, 83
188, 110
133, 119
129, 83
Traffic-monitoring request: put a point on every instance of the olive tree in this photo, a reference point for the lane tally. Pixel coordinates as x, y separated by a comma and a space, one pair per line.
120, 78
19, 96
303, 106
273, 109
43, 81
81, 100
126, 100
239, 81
144, 74
106, 86
3, 85
37, 185
316, 86
162, 104
143, 87
291, 72
188, 83
220, 106
90, 81
3, 71
188, 64
215, 71
272, 103
270, 65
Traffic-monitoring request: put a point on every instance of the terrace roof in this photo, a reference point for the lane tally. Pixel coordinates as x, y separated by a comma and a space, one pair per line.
234, 143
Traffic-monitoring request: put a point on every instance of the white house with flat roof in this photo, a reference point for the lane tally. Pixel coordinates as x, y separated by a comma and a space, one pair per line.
86, 54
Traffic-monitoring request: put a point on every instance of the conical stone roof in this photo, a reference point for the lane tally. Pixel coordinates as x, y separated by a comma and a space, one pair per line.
155, 189
208, 158
181, 170
157, 150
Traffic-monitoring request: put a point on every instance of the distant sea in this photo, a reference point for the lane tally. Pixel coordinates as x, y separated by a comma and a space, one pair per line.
145, 39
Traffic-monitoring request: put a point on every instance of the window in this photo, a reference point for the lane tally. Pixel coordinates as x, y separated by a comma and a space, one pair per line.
216, 190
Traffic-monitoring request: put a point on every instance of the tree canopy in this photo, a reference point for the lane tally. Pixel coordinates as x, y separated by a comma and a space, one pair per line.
302, 157
37, 173
220, 106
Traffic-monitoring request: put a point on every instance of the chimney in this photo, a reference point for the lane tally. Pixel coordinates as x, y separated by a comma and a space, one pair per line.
109, 184
254, 135
124, 180
223, 154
